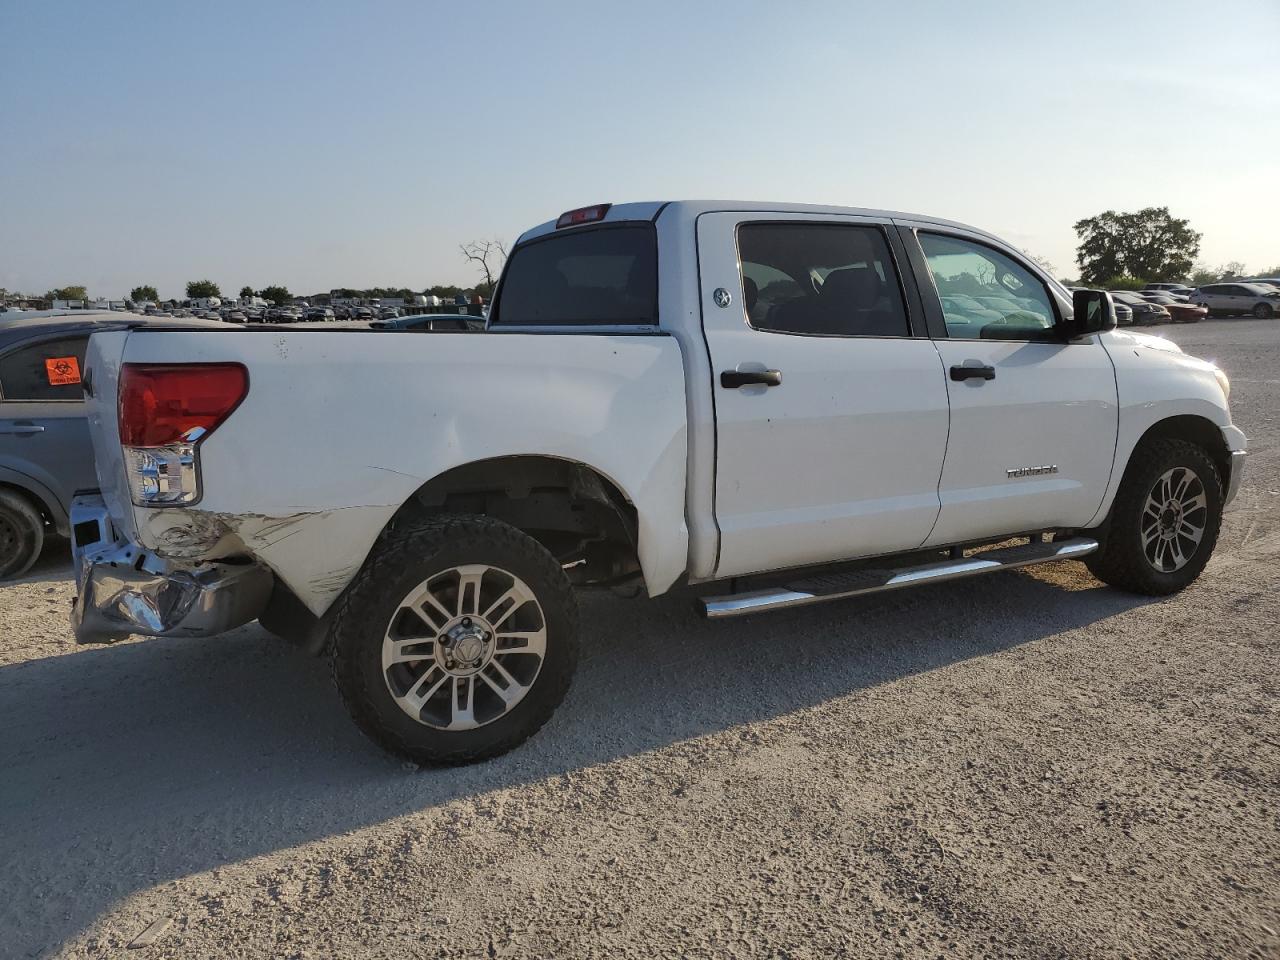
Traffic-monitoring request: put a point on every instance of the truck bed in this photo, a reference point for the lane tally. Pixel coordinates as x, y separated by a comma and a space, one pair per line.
341, 427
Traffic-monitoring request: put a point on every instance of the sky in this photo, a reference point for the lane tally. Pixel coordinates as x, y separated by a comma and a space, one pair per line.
321, 144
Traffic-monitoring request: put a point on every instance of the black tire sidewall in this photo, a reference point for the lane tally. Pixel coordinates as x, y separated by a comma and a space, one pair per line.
29, 526
1124, 540
407, 562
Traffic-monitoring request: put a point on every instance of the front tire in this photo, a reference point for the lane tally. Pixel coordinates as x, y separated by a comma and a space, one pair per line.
21, 534
1263, 311
456, 642
1165, 520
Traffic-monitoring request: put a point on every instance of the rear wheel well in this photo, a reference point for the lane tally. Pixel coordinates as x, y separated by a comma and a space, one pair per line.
581, 516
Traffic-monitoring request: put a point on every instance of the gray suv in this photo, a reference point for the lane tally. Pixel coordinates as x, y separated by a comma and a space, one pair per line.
45, 454
1235, 298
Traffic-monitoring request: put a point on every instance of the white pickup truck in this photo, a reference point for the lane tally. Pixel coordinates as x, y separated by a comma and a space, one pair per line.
786, 404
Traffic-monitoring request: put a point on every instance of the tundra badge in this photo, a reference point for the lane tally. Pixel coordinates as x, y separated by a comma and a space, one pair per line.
1031, 471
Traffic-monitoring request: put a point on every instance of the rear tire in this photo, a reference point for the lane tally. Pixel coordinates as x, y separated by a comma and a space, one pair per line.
1165, 520
21, 534
456, 641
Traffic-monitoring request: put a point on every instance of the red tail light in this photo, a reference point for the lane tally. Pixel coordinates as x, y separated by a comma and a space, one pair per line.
162, 403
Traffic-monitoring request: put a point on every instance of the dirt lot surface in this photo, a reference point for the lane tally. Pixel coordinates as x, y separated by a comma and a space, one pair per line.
1030, 765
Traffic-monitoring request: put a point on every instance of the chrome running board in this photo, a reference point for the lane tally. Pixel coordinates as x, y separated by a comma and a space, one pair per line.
839, 586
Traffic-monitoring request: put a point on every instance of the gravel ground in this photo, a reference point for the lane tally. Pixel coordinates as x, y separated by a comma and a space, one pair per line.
1030, 765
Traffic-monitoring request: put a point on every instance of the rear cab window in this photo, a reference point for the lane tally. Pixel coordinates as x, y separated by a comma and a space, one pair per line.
42, 371
605, 275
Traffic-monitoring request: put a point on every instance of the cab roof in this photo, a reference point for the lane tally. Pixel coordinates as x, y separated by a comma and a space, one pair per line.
692, 209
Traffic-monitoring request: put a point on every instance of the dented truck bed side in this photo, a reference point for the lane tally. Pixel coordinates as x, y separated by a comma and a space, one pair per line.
341, 428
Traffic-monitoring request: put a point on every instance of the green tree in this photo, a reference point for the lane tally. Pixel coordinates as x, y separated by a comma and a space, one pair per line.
247, 292
443, 291
68, 293
276, 294
144, 292
202, 288
1150, 244
1202, 275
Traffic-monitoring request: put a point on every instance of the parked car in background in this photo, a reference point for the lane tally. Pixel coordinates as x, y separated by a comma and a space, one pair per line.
1163, 296
1145, 313
318, 314
1124, 313
362, 313
235, 316
1267, 281
390, 313
45, 454
1234, 299
1180, 311
1169, 287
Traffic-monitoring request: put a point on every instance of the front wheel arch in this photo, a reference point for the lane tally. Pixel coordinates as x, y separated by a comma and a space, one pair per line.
1202, 432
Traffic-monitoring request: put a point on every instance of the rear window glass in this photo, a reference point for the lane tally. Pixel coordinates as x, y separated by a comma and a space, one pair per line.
607, 275
50, 370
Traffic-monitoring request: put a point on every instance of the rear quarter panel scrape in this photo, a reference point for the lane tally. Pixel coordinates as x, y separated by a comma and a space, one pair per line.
341, 428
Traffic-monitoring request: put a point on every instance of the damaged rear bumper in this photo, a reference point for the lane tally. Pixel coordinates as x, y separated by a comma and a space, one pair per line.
122, 589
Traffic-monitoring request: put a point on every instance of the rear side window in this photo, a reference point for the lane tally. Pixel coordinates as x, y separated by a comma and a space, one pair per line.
49, 370
599, 276
820, 279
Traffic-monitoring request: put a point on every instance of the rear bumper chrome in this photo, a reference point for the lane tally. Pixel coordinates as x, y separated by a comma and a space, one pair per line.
1237, 472
122, 589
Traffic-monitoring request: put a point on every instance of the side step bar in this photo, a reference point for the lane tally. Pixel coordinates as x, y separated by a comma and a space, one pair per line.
839, 586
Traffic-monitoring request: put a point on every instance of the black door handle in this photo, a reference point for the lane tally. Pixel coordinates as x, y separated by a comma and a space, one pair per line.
732, 379
968, 373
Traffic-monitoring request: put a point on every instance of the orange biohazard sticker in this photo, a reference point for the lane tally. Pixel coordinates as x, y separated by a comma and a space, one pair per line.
62, 370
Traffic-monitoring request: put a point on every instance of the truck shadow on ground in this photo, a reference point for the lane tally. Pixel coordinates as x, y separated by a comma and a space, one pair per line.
124, 767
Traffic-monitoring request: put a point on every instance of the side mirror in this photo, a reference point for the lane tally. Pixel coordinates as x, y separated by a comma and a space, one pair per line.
1093, 313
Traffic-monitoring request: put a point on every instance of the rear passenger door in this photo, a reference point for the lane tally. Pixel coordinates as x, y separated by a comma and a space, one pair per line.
831, 406
1033, 417
43, 431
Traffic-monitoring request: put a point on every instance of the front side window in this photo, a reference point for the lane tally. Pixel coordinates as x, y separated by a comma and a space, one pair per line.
986, 295
49, 370
604, 276
820, 279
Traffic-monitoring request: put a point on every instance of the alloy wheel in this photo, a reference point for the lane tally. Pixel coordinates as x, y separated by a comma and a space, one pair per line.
1173, 519
464, 647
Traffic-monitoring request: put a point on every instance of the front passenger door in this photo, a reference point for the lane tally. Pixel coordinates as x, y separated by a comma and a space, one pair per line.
1033, 417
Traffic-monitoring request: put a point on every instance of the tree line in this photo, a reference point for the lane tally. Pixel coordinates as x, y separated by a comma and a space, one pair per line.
487, 256
1124, 250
